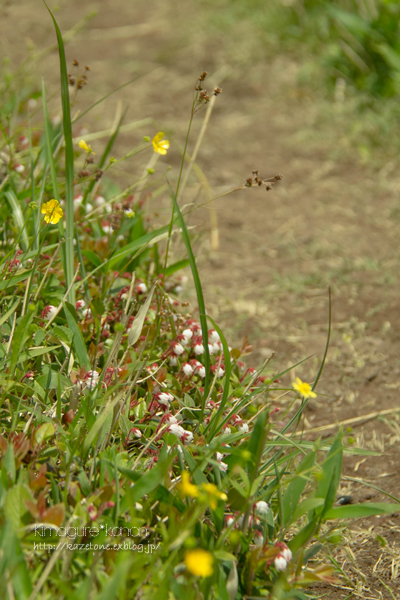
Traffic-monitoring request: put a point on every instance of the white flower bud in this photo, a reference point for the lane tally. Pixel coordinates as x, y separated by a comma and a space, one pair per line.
280, 563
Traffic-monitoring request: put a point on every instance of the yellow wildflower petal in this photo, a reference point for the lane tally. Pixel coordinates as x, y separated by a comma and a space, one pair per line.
160, 146
199, 562
52, 211
304, 388
186, 488
88, 149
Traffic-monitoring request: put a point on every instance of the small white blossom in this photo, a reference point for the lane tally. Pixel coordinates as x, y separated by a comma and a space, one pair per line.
244, 428
78, 201
177, 348
261, 507
49, 312
187, 369
176, 430
223, 467
173, 361
187, 436
164, 398
107, 229
89, 209
280, 563
213, 336
201, 371
229, 520
171, 420
258, 539
187, 334
141, 288
198, 349
287, 554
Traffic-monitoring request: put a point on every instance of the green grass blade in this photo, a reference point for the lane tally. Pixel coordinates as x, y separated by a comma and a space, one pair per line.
199, 292
18, 218
49, 149
20, 336
69, 163
358, 511
78, 339
327, 342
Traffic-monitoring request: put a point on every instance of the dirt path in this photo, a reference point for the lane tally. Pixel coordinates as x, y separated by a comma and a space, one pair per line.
329, 223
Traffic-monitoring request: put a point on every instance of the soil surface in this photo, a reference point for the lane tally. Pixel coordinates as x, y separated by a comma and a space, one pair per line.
267, 259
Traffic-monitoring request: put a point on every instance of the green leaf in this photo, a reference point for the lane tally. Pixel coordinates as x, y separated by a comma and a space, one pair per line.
13, 560
306, 506
256, 443
149, 481
39, 336
92, 258
63, 333
199, 292
357, 511
9, 462
20, 335
9, 312
14, 507
18, 218
99, 423
137, 325
331, 472
171, 269
69, 163
6, 283
79, 342
144, 241
45, 432
223, 555
33, 352
295, 488
84, 483
49, 149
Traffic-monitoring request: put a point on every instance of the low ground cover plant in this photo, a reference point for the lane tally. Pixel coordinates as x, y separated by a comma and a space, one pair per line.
139, 457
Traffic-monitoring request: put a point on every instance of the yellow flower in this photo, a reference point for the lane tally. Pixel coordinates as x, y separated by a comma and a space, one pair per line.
304, 388
186, 488
199, 562
160, 146
52, 211
88, 149
213, 494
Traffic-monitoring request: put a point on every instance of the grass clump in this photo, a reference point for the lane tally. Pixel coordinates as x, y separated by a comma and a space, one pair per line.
139, 459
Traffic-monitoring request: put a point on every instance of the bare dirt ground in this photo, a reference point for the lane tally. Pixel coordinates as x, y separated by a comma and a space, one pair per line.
330, 222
